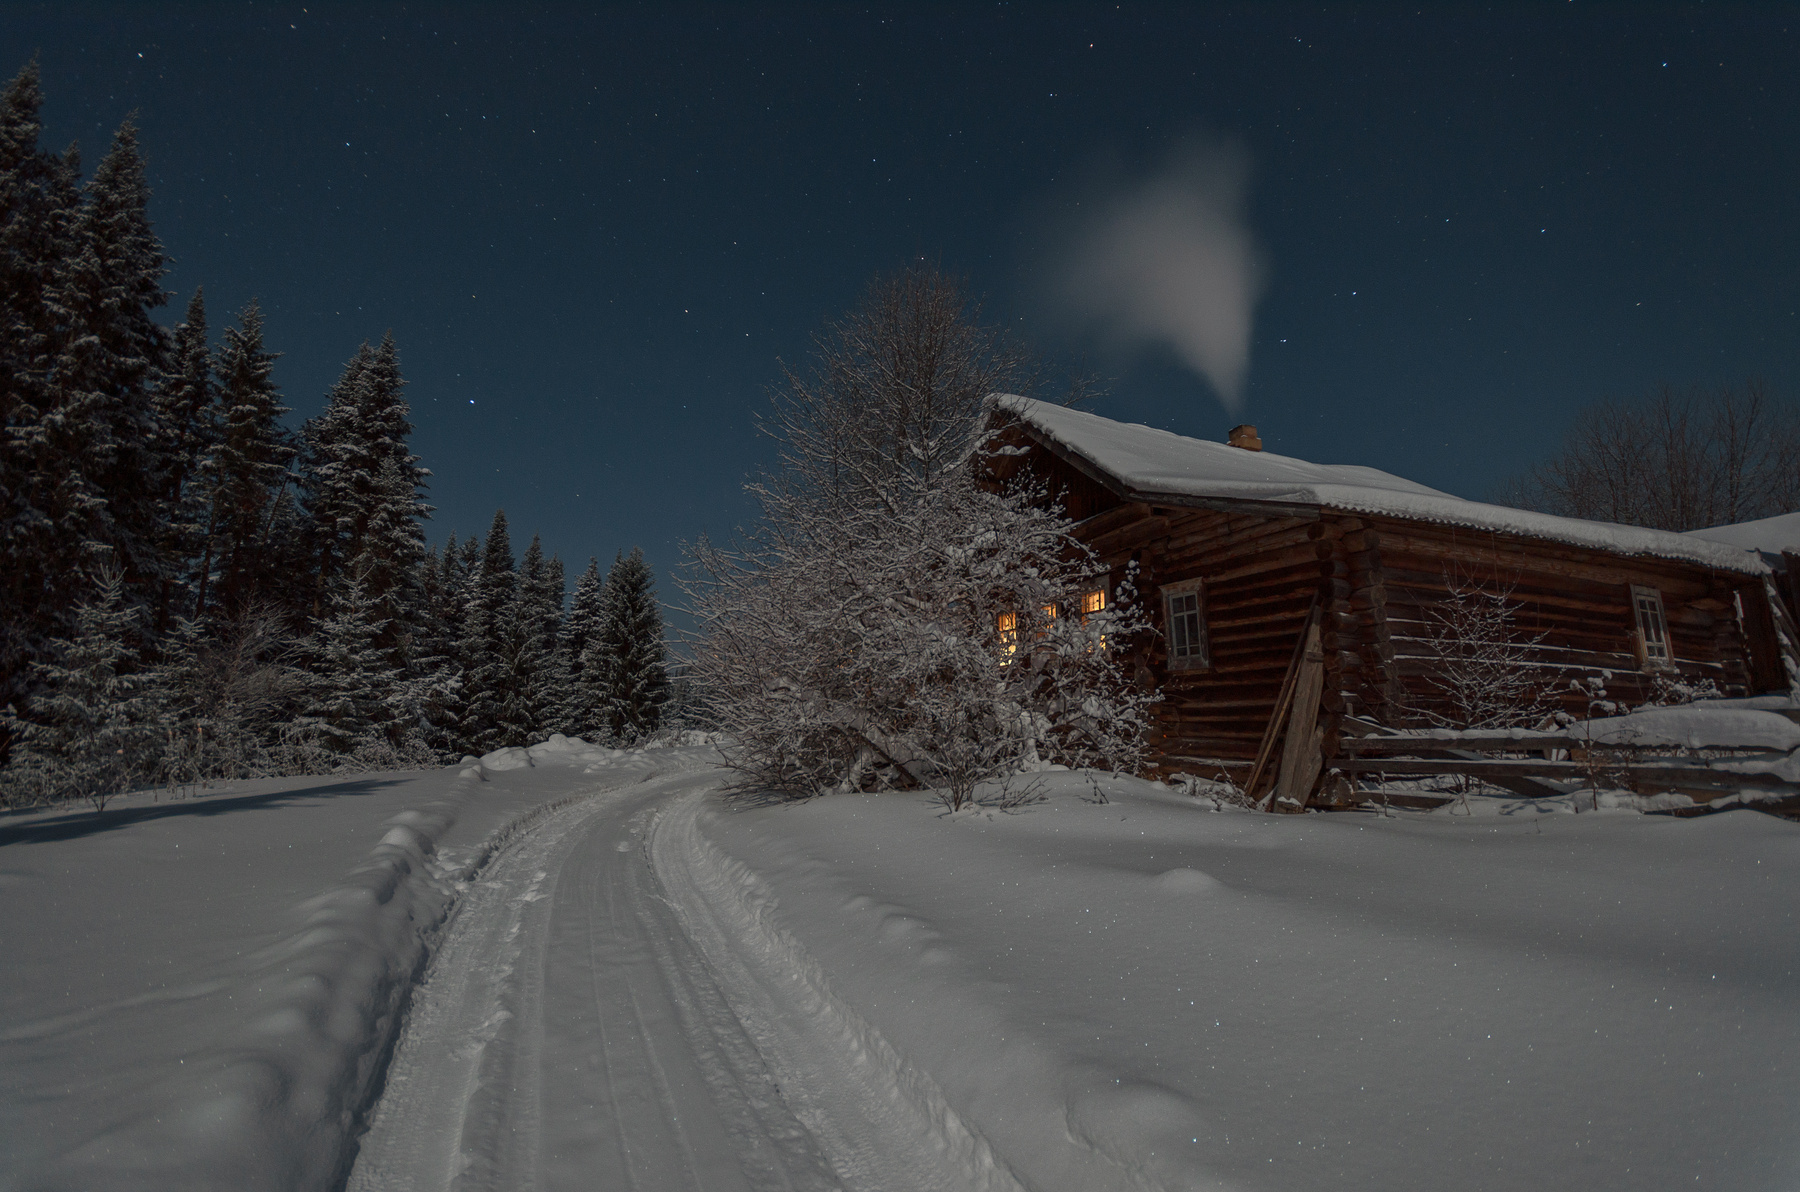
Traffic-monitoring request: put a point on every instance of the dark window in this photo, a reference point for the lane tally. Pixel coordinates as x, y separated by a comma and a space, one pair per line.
1187, 630
1652, 629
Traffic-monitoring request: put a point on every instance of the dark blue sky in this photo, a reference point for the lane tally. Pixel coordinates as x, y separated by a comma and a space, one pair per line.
594, 231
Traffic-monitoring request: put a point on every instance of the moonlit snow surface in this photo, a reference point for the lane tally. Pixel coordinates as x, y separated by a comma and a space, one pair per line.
625, 980
1147, 993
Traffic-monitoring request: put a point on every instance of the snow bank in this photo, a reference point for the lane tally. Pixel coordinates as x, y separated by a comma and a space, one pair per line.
1152, 463
1147, 994
1695, 726
207, 990
559, 750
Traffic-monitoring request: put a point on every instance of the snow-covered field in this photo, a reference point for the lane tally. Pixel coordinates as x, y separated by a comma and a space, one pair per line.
638, 984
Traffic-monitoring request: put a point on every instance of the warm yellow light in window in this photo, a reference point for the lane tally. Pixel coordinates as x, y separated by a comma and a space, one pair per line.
1092, 602
1008, 624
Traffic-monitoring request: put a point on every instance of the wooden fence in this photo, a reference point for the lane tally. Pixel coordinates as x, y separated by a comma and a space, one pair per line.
1555, 764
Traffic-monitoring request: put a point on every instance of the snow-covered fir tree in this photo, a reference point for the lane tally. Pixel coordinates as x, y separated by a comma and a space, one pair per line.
355, 688
33, 223
188, 420
80, 466
101, 387
37, 203
540, 610
335, 455
488, 657
578, 714
436, 671
362, 478
94, 730
247, 472
627, 655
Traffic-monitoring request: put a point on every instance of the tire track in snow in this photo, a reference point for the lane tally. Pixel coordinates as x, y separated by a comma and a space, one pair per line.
569, 1035
885, 1123
456, 1012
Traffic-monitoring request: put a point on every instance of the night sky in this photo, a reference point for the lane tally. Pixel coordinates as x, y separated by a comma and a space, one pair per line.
594, 232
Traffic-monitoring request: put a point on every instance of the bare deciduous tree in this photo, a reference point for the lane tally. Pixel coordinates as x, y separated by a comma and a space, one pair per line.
227, 695
890, 623
1673, 461
1482, 666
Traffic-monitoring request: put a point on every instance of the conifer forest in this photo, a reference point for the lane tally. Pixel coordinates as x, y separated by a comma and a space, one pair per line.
192, 590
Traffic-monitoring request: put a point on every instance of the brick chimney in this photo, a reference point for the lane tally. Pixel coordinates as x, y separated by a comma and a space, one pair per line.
1245, 436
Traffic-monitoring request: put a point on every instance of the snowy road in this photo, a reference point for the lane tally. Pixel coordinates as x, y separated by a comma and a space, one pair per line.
590, 1019
569, 1034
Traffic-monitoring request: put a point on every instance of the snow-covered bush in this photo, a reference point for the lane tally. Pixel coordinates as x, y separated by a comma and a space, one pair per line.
892, 623
917, 650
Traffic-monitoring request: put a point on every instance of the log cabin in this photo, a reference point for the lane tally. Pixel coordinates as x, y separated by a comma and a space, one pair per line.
1289, 598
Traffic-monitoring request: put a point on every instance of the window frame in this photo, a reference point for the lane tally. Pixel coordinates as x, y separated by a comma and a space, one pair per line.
1200, 659
1648, 600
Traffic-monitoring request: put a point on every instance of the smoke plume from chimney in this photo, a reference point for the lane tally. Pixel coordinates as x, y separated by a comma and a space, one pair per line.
1168, 258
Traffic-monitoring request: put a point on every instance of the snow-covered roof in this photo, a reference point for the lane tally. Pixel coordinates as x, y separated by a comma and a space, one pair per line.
1150, 464
1772, 535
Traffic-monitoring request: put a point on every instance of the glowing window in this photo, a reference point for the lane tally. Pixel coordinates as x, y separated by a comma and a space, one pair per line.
1092, 602
1008, 624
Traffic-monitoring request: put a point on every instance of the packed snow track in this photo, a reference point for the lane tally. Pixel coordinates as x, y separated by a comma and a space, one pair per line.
591, 1019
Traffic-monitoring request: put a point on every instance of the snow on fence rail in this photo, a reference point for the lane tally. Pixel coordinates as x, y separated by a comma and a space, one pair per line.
1711, 755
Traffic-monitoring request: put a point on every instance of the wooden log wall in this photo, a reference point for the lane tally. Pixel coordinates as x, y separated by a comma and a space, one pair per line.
1576, 602
1261, 574
1376, 578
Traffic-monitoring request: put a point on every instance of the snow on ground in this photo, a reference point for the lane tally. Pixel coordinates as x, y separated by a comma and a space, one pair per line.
1149, 994
200, 992
1694, 726
627, 978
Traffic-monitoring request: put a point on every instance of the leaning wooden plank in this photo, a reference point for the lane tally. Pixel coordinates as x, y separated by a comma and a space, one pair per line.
1277, 718
1300, 754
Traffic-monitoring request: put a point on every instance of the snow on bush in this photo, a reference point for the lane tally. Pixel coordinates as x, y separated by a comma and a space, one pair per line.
891, 623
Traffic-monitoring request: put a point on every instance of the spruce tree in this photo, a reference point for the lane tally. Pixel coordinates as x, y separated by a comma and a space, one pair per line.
247, 473
93, 732
37, 205
35, 211
187, 417
389, 558
540, 611
99, 470
451, 594
354, 702
628, 653
363, 480
387, 426
489, 663
435, 677
336, 457
80, 459
578, 714
515, 681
